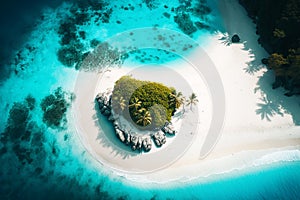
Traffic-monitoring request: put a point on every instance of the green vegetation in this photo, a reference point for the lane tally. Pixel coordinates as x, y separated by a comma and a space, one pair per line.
192, 100
277, 23
149, 103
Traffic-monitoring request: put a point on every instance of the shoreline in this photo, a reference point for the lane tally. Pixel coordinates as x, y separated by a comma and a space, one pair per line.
112, 151
246, 138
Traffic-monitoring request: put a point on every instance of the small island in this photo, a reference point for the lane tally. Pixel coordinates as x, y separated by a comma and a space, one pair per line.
146, 106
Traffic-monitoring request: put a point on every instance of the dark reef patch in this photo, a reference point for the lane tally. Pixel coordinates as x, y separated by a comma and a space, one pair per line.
32, 162
69, 55
55, 107
72, 50
185, 23
167, 15
184, 12
151, 4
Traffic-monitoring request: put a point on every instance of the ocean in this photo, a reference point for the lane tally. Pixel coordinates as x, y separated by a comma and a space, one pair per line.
43, 160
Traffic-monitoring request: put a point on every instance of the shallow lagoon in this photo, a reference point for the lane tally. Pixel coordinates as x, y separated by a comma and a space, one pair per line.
52, 163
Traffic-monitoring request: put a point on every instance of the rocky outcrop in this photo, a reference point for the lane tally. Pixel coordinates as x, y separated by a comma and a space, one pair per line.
139, 143
127, 137
111, 118
168, 129
147, 143
235, 39
132, 139
159, 138
120, 134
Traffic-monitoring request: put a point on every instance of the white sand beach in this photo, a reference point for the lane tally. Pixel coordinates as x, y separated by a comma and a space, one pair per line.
256, 130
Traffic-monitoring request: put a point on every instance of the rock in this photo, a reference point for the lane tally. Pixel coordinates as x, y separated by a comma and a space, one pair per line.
157, 142
107, 113
120, 134
134, 141
127, 138
111, 118
168, 129
100, 100
139, 143
106, 103
235, 39
103, 109
264, 61
116, 124
100, 105
109, 107
99, 96
147, 144
159, 138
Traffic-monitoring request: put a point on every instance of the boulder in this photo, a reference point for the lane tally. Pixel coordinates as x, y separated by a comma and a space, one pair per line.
134, 141
116, 123
235, 39
109, 107
99, 96
120, 134
100, 105
106, 103
111, 118
171, 130
100, 99
168, 129
127, 138
106, 113
159, 138
104, 108
147, 144
139, 143
265, 61
157, 142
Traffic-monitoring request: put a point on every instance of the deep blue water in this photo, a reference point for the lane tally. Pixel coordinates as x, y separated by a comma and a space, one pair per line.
43, 162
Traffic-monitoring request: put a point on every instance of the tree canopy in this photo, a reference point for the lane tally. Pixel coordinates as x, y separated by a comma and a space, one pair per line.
147, 102
277, 23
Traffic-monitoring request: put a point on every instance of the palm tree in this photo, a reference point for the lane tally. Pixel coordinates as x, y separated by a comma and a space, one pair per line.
118, 104
182, 101
144, 117
176, 98
192, 100
122, 104
135, 104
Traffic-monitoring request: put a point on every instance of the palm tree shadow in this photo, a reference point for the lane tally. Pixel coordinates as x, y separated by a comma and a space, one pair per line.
253, 66
225, 40
274, 102
107, 138
267, 109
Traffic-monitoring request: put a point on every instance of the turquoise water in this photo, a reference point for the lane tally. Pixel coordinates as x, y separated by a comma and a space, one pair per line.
42, 162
